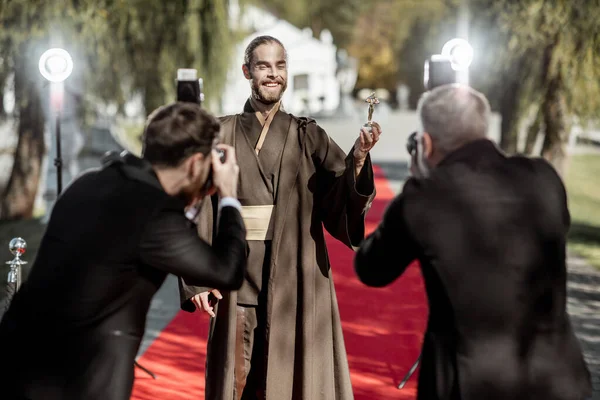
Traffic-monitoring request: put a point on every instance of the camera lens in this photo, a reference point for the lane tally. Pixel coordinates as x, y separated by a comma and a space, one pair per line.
411, 143
221, 155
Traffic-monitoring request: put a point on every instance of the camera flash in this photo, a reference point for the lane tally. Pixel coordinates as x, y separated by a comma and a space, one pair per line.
187, 74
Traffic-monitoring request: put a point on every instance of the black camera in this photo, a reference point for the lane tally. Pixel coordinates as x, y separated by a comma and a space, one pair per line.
411, 143
190, 90
189, 87
438, 71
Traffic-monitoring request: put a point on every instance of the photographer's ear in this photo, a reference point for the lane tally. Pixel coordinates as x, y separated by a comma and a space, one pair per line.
246, 72
427, 145
195, 166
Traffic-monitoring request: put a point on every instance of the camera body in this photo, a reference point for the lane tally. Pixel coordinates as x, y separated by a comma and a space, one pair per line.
438, 71
411, 144
189, 86
190, 90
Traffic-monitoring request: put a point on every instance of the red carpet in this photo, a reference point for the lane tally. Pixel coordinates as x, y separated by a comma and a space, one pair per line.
383, 329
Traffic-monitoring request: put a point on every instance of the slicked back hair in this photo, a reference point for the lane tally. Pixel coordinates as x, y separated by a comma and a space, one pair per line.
259, 41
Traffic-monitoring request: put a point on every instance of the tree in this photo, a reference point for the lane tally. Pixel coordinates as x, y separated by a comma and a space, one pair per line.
381, 34
21, 190
550, 63
393, 38
19, 46
124, 48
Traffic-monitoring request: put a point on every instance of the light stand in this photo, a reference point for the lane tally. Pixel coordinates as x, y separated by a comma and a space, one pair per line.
410, 372
56, 65
58, 160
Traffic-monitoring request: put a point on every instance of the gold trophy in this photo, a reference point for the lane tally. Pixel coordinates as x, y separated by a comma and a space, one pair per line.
372, 100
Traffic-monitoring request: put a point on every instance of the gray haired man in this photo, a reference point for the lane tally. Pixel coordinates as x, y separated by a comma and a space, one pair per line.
489, 232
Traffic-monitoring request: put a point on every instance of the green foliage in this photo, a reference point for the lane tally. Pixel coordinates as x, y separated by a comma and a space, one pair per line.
537, 44
125, 47
121, 49
377, 32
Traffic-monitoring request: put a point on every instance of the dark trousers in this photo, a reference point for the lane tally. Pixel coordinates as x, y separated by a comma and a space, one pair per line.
250, 353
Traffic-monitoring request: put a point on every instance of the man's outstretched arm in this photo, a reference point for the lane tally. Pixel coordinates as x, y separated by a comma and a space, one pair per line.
384, 255
172, 245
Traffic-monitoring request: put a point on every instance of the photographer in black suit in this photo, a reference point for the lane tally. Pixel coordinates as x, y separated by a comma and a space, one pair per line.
74, 328
489, 232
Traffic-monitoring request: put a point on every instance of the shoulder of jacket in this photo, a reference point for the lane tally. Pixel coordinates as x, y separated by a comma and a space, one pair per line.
303, 120
310, 125
545, 168
223, 119
536, 164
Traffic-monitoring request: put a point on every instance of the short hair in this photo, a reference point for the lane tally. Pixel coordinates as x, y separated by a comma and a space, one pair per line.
259, 41
176, 131
454, 115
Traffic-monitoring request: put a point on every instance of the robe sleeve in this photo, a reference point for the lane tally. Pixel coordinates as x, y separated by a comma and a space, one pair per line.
342, 198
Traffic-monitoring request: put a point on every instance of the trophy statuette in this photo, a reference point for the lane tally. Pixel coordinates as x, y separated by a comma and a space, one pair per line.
371, 100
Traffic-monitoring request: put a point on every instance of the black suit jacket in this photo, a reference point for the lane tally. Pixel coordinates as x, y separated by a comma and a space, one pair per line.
74, 328
489, 232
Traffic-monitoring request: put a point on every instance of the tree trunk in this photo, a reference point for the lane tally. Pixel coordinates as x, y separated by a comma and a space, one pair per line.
154, 96
19, 196
509, 104
532, 132
557, 131
509, 126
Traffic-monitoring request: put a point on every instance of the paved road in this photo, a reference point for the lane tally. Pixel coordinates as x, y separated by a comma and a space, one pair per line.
584, 307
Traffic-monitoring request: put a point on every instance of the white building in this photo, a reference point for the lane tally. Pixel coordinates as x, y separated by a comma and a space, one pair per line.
312, 84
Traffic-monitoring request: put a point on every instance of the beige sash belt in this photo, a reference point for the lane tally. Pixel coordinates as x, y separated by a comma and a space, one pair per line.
257, 220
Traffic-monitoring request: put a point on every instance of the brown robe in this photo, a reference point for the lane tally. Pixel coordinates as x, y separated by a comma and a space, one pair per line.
316, 188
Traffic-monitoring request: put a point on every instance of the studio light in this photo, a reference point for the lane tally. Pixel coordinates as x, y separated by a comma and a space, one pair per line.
460, 53
56, 65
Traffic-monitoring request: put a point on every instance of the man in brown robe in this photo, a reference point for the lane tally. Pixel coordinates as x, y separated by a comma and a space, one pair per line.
279, 337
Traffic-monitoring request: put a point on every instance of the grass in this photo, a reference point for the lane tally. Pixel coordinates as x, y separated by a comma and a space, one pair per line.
583, 189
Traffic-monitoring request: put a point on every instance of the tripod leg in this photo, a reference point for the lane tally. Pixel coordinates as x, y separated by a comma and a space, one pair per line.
410, 372
146, 370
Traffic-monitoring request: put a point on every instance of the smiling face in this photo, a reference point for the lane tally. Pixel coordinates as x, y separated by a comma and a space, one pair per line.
267, 73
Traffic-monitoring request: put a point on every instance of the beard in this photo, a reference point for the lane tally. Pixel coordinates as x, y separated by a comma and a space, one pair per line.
268, 95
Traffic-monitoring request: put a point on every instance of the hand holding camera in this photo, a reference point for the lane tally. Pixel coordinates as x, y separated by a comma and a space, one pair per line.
225, 171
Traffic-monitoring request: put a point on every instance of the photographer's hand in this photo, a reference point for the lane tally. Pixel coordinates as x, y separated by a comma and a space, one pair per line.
225, 174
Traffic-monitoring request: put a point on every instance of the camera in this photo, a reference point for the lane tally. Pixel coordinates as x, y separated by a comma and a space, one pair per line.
438, 71
190, 90
189, 87
411, 143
